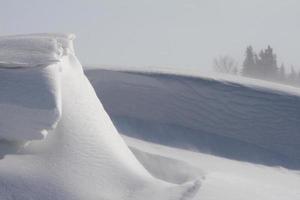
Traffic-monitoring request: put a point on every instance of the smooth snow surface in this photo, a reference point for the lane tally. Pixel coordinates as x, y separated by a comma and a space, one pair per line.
221, 178
82, 156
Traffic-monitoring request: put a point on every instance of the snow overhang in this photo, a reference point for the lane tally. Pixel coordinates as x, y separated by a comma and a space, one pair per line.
33, 50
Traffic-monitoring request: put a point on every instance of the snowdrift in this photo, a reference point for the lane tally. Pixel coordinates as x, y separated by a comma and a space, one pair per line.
240, 119
30, 96
58, 140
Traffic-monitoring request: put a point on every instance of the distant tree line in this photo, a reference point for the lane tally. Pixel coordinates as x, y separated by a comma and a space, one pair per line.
261, 66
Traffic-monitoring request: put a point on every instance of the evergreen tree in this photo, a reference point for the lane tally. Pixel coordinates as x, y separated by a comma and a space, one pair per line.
264, 66
249, 63
281, 73
267, 64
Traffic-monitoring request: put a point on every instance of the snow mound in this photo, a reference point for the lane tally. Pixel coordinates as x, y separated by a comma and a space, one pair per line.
239, 119
82, 156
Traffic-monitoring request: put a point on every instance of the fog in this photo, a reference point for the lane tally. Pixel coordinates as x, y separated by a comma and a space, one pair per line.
188, 33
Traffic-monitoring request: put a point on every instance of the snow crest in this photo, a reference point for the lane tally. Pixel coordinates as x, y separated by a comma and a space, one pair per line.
34, 50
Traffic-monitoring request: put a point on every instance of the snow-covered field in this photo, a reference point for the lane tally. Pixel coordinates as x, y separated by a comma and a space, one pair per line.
162, 136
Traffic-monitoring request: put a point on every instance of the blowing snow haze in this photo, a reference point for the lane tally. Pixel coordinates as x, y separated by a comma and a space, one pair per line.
162, 32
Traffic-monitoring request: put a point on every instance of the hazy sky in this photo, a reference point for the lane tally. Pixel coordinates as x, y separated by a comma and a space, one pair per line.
161, 32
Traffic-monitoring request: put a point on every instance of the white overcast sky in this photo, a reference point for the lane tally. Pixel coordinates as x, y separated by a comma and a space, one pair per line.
161, 32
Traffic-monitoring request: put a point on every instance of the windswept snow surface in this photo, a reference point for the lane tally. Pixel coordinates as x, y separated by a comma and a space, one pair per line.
241, 138
82, 156
190, 136
236, 119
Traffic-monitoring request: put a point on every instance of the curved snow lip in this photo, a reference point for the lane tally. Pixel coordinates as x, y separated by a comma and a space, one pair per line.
34, 50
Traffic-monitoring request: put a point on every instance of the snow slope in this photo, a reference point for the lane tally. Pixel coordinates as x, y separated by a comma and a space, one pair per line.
81, 155
240, 119
239, 137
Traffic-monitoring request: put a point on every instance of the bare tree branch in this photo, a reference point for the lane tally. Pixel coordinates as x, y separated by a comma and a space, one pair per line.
225, 64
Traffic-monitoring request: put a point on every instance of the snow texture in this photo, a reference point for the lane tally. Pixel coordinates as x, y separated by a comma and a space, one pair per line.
82, 156
240, 119
30, 102
221, 178
58, 142
30, 98
34, 50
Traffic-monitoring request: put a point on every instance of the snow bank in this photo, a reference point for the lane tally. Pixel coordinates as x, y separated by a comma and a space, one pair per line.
238, 119
83, 156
